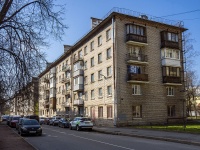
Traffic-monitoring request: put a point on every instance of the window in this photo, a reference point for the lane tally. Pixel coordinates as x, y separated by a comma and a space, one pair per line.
109, 90
108, 35
85, 64
171, 110
86, 111
99, 74
135, 29
170, 91
171, 71
108, 53
100, 92
85, 50
80, 55
86, 95
172, 37
109, 71
92, 77
100, 112
137, 111
92, 94
170, 53
86, 80
92, 61
136, 90
109, 111
99, 40
100, 58
92, 46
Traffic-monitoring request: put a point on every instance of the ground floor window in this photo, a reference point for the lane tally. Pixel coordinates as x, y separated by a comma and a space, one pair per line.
109, 111
100, 112
171, 110
137, 111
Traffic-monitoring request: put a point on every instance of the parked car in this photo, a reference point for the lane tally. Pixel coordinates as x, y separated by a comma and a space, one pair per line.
55, 120
64, 123
47, 120
29, 126
4, 118
42, 119
79, 123
14, 121
19, 122
36, 117
8, 120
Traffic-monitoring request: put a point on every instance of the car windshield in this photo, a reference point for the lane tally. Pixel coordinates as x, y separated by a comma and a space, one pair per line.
85, 119
31, 122
16, 118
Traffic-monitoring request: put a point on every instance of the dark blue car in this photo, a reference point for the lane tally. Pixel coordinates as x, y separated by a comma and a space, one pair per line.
64, 123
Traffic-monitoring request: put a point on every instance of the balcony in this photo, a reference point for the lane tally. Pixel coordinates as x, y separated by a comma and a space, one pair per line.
172, 80
78, 87
66, 68
66, 92
169, 44
78, 102
135, 39
52, 103
52, 75
78, 58
46, 96
136, 58
46, 80
137, 78
78, 72
66, 104
62, 80
46, 105
46, 88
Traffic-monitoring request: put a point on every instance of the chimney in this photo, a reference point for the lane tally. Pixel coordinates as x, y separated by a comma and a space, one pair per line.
95, 22
66, 48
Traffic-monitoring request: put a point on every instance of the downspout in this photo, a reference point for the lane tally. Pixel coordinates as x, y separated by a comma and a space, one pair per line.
115, 70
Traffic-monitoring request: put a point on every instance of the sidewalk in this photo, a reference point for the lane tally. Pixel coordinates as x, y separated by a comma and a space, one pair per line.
178, 137
9, 140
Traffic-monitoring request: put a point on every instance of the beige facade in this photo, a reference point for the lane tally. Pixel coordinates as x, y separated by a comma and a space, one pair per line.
126, 70
25, 101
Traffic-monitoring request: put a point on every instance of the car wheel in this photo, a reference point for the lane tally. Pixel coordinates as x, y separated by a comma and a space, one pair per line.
78, 128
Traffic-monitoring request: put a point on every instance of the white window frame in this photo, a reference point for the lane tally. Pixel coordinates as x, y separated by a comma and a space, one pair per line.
170, 91
136, 89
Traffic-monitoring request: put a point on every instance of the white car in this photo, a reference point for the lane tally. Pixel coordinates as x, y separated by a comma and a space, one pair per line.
81, 123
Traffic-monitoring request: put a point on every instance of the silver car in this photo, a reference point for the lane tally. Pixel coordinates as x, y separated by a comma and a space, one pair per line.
81, 123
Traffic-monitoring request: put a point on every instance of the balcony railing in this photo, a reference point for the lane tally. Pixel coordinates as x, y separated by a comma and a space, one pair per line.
137, 77
136, 38
169, 44
78, 102
168, 79
66, 104
78, 58
78, 87
136, 58
66, 92
66, 68
46, 80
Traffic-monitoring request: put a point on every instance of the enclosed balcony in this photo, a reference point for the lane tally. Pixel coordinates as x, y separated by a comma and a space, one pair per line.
78, 102
78, 87
136, 58
136, 39
66, 104
78, 72
77, 58
137, 78
169, 40
171, 80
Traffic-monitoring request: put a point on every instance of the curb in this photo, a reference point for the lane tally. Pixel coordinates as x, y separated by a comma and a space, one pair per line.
149, 137
23, 139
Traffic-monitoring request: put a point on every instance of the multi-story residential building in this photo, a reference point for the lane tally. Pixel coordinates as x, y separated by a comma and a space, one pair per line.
127, 69
25, 101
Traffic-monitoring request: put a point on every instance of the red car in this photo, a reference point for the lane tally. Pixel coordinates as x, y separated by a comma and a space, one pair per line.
14, 121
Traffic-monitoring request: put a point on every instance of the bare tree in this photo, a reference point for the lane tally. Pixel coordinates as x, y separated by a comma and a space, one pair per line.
24, 28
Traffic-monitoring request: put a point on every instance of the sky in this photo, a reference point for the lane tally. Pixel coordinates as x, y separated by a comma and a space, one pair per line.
78, 13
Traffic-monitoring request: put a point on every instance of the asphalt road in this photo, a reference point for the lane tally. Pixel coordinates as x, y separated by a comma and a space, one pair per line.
55, 138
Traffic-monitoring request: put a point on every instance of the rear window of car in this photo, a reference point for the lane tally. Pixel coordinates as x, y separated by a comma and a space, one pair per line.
31, 122
85, 119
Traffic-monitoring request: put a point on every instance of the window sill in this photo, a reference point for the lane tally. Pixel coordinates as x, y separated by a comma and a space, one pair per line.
109, 118
100, 79
85, 54
92, 98
108, 39
109, 96
100, 97
99, 45
136, 94
100, 62
91, 50
108, 58
92, 82
170, 95
109, 76
92, 66
137, 118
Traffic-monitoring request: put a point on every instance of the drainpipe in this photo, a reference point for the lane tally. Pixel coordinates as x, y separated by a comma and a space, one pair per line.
115, 71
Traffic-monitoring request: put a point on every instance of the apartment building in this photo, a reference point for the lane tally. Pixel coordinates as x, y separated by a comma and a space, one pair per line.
128, 69
25, 101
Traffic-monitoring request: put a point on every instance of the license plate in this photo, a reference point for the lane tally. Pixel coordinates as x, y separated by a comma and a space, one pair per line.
32, 131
